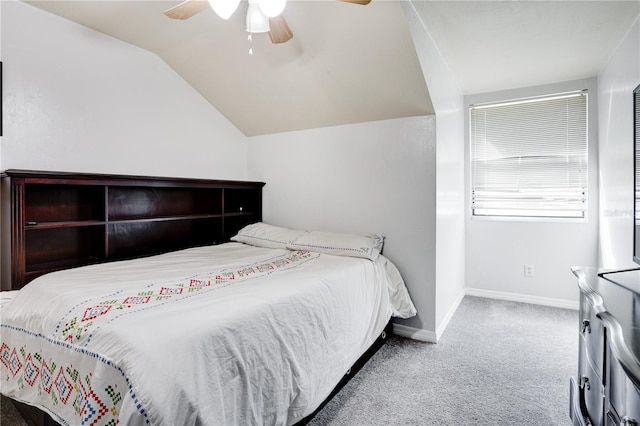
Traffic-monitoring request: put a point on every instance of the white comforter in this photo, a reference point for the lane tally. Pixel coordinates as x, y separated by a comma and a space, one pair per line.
220, 335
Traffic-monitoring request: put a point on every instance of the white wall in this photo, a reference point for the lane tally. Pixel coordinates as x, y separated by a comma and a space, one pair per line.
615, 86
497, 250
77, 100
403, 178
361, 178
449, 202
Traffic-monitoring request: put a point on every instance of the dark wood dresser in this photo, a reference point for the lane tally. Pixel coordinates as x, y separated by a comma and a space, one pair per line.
55, 220
607, 388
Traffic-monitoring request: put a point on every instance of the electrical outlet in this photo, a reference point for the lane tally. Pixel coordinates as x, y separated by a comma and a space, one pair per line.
528, 270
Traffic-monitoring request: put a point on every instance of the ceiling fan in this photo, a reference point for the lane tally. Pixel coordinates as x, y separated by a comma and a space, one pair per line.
262, 15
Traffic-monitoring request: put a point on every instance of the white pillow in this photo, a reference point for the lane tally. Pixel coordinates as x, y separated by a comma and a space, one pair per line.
368, 247
263, 235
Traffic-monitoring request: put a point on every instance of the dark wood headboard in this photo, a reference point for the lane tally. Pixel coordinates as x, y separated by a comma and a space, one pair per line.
54, 220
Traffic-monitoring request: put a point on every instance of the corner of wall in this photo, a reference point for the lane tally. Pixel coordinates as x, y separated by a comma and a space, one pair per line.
447, 100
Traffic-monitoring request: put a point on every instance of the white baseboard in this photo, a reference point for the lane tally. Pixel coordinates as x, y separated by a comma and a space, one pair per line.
433, 337
449, 315
428, 335
415, 333
523, 298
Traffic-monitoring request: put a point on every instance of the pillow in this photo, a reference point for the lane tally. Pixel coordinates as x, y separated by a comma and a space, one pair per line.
368, 247
263, 235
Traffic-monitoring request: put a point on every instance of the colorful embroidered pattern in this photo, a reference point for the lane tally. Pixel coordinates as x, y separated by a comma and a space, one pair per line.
83, 321
69, 388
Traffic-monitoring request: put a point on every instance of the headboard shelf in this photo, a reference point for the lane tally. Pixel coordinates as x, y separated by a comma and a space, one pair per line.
165, 218
59, 220
70, 224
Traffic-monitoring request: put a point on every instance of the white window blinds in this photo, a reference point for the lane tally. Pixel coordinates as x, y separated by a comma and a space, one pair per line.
529, 157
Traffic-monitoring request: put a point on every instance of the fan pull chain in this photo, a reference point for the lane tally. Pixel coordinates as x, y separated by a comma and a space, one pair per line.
249, 39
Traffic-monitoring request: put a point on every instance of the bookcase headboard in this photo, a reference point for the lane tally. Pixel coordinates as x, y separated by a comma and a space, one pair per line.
56, 220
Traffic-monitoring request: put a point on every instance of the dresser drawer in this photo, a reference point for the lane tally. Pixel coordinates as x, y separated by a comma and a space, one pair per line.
575, 410
624, 398
592, 391
592, 331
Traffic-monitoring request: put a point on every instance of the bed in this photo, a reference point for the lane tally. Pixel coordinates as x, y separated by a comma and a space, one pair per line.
258, 330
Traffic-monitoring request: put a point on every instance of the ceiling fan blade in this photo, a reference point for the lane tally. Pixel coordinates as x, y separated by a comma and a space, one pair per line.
186, 9
362, 2
280, 31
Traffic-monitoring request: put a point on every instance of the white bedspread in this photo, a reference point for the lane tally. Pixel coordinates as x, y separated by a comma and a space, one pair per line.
221, 335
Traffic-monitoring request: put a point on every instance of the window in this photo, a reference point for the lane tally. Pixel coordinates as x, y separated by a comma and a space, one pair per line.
529, 157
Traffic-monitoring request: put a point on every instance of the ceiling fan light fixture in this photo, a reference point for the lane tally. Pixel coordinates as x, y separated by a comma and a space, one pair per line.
257, 22
272, 8
224, 8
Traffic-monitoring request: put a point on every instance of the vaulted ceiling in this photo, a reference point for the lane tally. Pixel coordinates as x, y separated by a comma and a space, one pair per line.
349, 63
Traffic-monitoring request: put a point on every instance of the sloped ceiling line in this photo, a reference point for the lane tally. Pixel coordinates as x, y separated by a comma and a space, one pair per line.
346, 63
349, 63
